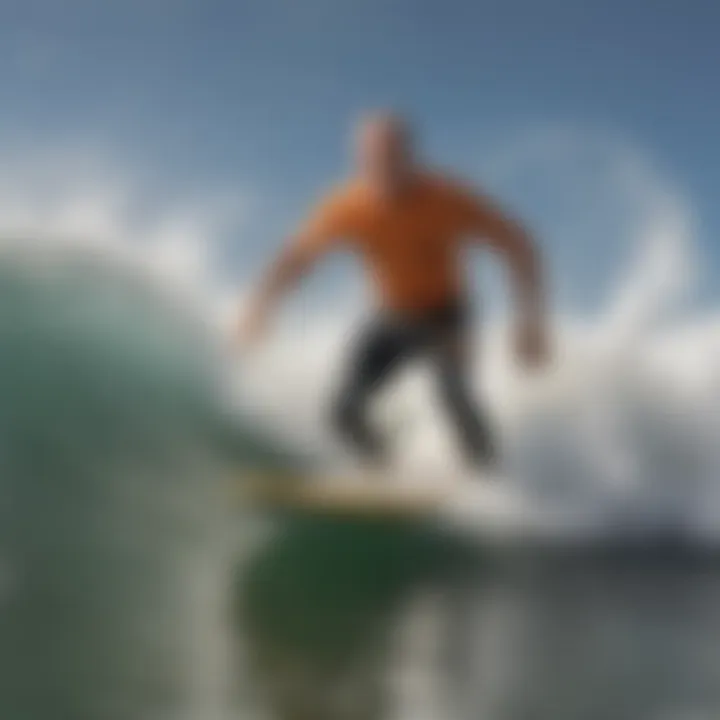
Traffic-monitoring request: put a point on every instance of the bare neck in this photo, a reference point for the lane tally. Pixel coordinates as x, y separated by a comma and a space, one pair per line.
394, 187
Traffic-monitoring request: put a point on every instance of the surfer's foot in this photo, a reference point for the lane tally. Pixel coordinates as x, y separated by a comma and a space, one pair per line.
364, 469
375, 471
486, 473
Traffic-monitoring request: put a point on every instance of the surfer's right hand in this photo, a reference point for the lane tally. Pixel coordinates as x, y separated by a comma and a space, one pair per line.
531, 346
252, 328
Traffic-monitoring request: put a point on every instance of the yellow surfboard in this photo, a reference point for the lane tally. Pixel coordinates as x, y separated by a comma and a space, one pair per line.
339, 495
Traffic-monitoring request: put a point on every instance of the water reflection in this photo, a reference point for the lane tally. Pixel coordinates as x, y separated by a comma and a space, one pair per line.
371, 620
321, 606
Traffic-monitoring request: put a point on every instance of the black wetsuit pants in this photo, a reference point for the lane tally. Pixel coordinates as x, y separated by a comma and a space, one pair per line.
440, 336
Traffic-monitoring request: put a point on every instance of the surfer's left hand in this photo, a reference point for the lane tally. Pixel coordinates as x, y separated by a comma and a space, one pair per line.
251, 328
532, 346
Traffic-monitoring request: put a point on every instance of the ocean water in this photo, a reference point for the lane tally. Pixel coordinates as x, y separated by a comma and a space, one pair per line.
346, 620
112, 547
134, 587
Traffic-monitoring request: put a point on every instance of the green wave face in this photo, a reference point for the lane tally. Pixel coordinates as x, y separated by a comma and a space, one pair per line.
111, 457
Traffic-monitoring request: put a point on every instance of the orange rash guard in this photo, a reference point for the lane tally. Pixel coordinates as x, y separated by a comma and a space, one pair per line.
411, 244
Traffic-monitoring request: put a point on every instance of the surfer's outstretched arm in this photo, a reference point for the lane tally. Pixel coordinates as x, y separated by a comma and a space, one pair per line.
509, 238
282, 276
326, 226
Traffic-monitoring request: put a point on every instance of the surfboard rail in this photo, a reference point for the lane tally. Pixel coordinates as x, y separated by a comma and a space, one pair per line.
303, 492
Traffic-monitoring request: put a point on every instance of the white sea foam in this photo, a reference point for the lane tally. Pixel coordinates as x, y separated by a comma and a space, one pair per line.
618, 437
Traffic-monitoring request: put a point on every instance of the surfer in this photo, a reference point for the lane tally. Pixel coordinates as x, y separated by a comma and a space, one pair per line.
409, 224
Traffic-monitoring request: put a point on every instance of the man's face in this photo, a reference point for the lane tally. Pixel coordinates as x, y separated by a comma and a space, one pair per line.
383, 151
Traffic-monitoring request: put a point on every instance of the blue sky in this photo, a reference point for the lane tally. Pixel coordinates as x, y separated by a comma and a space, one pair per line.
258, 94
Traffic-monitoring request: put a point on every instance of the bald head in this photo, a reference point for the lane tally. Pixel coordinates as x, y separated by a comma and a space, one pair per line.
384, 149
